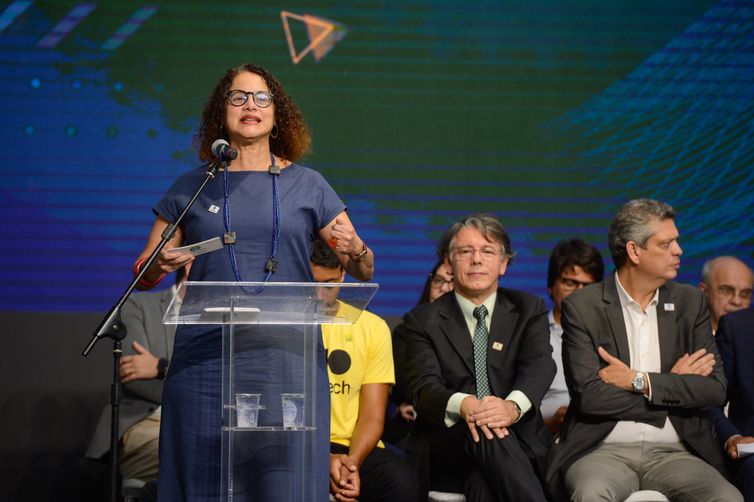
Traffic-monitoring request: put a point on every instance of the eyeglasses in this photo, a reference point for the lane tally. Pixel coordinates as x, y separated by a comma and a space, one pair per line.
262, 99
439, 282
729, 291
568, 283
487, 253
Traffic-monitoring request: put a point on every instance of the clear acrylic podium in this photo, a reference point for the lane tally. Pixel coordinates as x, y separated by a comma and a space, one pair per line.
269, 410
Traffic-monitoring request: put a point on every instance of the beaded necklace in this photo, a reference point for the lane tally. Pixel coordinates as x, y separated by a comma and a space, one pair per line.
230, 237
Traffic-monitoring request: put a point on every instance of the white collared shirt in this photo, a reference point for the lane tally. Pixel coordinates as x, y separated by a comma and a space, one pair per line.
557, 394
644, 349
467, 308
453, 408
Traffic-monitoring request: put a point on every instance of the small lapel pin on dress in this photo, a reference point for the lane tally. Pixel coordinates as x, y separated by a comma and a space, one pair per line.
213, 209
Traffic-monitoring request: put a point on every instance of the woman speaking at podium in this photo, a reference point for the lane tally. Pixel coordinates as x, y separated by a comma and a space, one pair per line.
268, 210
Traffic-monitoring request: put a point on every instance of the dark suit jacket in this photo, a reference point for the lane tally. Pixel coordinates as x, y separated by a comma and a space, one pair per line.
592, 317
142, 316
441, 363
735, 341
399, 392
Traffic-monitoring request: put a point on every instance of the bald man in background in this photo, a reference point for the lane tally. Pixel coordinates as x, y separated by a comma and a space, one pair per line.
727, 284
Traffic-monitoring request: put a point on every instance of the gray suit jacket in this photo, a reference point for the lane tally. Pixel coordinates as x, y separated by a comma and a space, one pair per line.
142, 315
592, 317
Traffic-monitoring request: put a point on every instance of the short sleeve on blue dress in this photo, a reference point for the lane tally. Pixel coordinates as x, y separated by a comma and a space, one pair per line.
308, 203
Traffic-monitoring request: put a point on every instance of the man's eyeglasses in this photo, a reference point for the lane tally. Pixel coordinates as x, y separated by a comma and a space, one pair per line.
262, 99
488, 253
729, 291
439, 282
572, 283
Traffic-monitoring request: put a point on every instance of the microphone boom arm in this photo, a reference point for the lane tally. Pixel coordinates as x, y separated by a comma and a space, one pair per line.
112, 327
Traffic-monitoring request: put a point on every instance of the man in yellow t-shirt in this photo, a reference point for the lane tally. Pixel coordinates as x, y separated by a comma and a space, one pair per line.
360, 367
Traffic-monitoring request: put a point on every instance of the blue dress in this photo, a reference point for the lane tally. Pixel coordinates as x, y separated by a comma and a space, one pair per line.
190, 433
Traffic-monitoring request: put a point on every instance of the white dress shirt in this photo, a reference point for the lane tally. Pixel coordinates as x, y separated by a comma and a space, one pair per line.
453, 408
557, 394
644, 350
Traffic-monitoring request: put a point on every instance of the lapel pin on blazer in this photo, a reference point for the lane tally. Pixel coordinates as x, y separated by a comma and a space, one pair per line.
497, 346
669, 307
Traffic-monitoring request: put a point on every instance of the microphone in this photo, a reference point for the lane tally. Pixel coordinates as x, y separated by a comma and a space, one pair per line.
222, 150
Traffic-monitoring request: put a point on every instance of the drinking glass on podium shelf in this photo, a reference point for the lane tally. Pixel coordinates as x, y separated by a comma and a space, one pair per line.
293, 410
247, 410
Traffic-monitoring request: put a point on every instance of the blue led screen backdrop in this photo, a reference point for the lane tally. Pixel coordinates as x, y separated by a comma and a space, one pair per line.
549, 114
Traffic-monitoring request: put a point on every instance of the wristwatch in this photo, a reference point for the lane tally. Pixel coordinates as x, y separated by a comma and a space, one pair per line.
162, 368
638, 383
362, 254
518, 409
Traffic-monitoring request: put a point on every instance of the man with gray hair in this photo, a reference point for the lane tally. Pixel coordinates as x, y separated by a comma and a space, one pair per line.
727, 283
642, 369
479, 363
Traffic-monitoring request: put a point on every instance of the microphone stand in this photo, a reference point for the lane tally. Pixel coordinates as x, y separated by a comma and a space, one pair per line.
112, 327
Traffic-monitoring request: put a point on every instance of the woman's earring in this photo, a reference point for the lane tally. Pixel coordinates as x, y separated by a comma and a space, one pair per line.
274, 132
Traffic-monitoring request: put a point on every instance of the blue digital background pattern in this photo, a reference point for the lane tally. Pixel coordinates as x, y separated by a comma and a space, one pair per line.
679, 128
548, 114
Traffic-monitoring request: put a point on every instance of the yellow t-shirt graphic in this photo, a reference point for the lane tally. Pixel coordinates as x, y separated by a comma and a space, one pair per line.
357, 354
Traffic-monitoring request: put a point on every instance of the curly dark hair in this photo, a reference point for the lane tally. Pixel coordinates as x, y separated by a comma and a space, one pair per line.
293, 137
